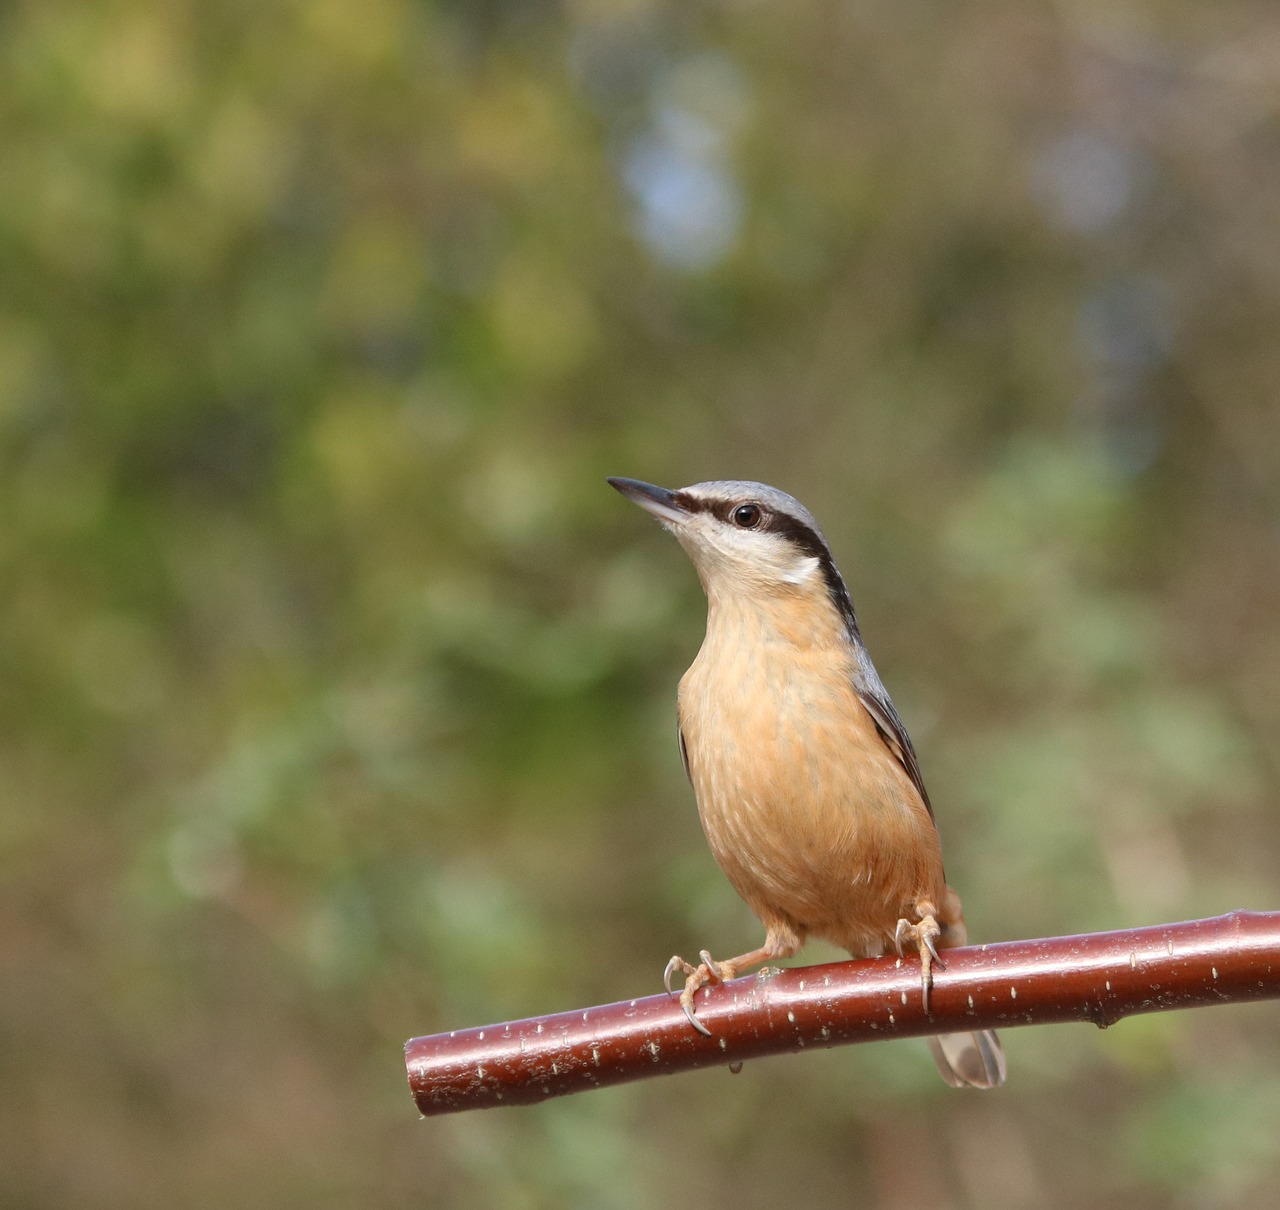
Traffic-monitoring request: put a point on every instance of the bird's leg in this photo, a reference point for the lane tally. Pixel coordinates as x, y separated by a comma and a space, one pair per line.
781, 941
923, 934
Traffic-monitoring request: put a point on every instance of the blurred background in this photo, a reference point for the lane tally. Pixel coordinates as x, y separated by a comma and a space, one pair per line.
337, 688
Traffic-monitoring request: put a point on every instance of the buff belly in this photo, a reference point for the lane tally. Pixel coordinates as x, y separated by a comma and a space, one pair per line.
806, 810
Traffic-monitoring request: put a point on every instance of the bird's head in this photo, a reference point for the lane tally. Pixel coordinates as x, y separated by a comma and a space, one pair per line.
743, 537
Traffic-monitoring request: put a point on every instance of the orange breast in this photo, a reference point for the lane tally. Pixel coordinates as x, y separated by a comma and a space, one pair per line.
806, 810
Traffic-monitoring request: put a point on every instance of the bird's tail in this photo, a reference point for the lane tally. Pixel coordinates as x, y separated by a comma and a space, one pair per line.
973, 1060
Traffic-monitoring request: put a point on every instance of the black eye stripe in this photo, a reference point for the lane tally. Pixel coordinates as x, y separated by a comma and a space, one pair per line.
785, 526
792, 528
803, 536
800, 535
693, 504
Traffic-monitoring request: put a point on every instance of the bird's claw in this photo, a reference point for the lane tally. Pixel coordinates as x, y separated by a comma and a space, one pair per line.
676, 964
923, 934
686, 1002
696, 977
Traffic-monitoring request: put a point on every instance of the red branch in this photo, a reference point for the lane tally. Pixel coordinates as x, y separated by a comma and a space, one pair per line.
1098, 977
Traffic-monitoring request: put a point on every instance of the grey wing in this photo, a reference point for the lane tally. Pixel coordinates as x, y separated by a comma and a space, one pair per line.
684, 751
892, 731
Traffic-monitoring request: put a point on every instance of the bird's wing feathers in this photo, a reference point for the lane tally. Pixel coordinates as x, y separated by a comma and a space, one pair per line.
684, 751
893, 733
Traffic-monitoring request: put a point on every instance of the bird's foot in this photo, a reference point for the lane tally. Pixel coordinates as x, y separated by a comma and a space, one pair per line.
923, 936
696, 978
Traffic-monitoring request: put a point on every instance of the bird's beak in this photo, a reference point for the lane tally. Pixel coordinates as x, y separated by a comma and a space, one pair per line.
660, 501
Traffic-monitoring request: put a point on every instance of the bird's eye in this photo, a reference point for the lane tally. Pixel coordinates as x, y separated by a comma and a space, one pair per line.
747, 516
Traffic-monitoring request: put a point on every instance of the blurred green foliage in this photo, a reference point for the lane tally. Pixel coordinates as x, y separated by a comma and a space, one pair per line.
336, 689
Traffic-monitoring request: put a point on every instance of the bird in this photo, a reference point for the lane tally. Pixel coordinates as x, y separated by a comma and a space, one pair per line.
807, 784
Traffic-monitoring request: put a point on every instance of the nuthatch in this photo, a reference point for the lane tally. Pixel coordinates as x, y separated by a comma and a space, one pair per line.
807, 785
